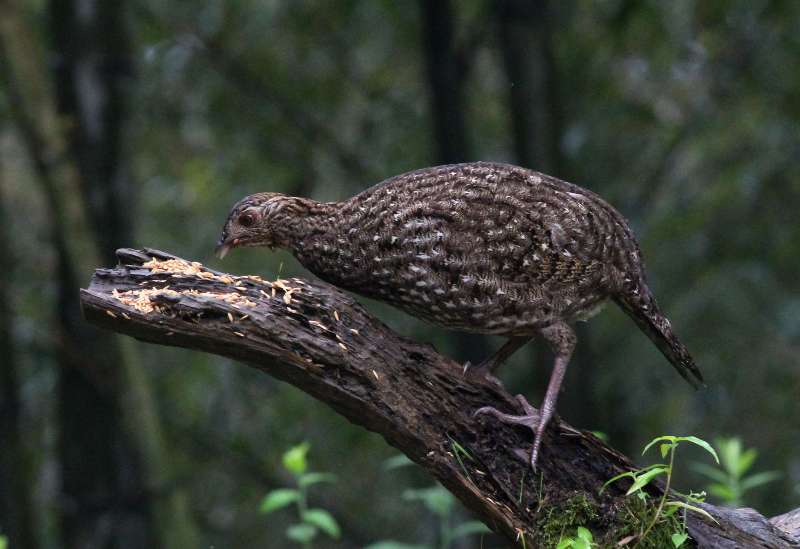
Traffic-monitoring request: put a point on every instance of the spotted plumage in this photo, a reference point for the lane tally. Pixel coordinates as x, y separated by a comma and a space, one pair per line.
480, 247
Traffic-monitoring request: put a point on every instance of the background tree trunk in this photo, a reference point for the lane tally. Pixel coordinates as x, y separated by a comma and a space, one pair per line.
446, 77
16, 486
113, 466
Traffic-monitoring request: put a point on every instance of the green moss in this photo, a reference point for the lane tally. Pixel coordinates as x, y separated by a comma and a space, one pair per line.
562, 519
635, 516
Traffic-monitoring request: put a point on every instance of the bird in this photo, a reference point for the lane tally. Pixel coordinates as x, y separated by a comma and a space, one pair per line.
479, 247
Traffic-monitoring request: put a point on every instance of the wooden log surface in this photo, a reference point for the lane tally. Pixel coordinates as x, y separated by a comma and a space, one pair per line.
319, 339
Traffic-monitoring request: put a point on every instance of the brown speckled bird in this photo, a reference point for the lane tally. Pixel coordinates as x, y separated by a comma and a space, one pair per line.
480, 247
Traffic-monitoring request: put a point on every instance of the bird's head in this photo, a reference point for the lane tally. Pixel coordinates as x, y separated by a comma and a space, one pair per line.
260, 220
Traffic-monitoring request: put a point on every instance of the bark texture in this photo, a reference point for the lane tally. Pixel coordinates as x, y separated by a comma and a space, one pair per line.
316, 337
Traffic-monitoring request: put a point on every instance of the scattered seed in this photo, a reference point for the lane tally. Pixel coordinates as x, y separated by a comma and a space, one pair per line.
376, 375
354, 331
112, 315
240, 334
126, 316
336, 315
343, 346
318, 323
230, 317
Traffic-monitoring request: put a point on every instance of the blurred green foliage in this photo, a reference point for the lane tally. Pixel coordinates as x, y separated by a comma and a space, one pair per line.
441, 504
730, 480
682, 114
312, 520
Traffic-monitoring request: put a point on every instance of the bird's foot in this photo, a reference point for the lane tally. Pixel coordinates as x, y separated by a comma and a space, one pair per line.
481, 371
530, 419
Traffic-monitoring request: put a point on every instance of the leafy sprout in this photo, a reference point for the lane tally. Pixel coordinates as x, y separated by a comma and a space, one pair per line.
666, 507
583, 540
311, 521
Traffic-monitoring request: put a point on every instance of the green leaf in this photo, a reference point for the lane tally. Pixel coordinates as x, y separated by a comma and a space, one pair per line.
702, 444
468, 529
723, 491
584, 534
581, 543
679, 538
436, 499
665, 448
731, 450
697, 497
394, 462
315, 478
565, 542
278, 499
601, 435
688, 507
711, 472
301, 533
758, 479
3, 542
324, 521
745, 462
460, 449
294, 460
645, 478
616, 478
656, 440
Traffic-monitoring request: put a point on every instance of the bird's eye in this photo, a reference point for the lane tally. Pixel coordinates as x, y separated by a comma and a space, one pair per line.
247, 219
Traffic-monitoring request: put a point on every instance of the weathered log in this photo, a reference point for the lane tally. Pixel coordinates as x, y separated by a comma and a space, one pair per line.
317, 338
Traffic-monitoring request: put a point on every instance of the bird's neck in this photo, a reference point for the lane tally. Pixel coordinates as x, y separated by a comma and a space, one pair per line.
301, 219
321, 236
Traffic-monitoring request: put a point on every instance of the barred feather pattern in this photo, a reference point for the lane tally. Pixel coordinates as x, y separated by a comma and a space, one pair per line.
479, 247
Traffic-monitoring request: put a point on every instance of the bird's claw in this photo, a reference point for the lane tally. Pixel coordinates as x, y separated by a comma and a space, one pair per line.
530, 419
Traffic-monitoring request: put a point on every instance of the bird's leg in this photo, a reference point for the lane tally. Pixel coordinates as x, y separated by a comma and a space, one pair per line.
561, 339
488, 366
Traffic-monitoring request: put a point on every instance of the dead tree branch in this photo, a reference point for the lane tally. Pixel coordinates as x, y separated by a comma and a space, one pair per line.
320, 340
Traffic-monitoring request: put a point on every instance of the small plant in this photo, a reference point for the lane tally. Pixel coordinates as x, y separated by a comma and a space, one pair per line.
3, 542
311, 521
730, 481
438, 501
583, 540
666, 507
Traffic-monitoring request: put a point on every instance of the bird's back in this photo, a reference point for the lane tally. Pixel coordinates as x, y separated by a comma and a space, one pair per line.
482, 247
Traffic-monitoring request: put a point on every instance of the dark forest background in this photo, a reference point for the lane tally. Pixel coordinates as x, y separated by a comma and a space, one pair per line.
139, 122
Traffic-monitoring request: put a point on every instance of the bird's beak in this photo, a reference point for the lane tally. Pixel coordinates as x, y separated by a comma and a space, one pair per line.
224, 246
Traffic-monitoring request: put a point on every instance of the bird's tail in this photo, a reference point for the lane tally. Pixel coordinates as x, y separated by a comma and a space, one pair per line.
640, 305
